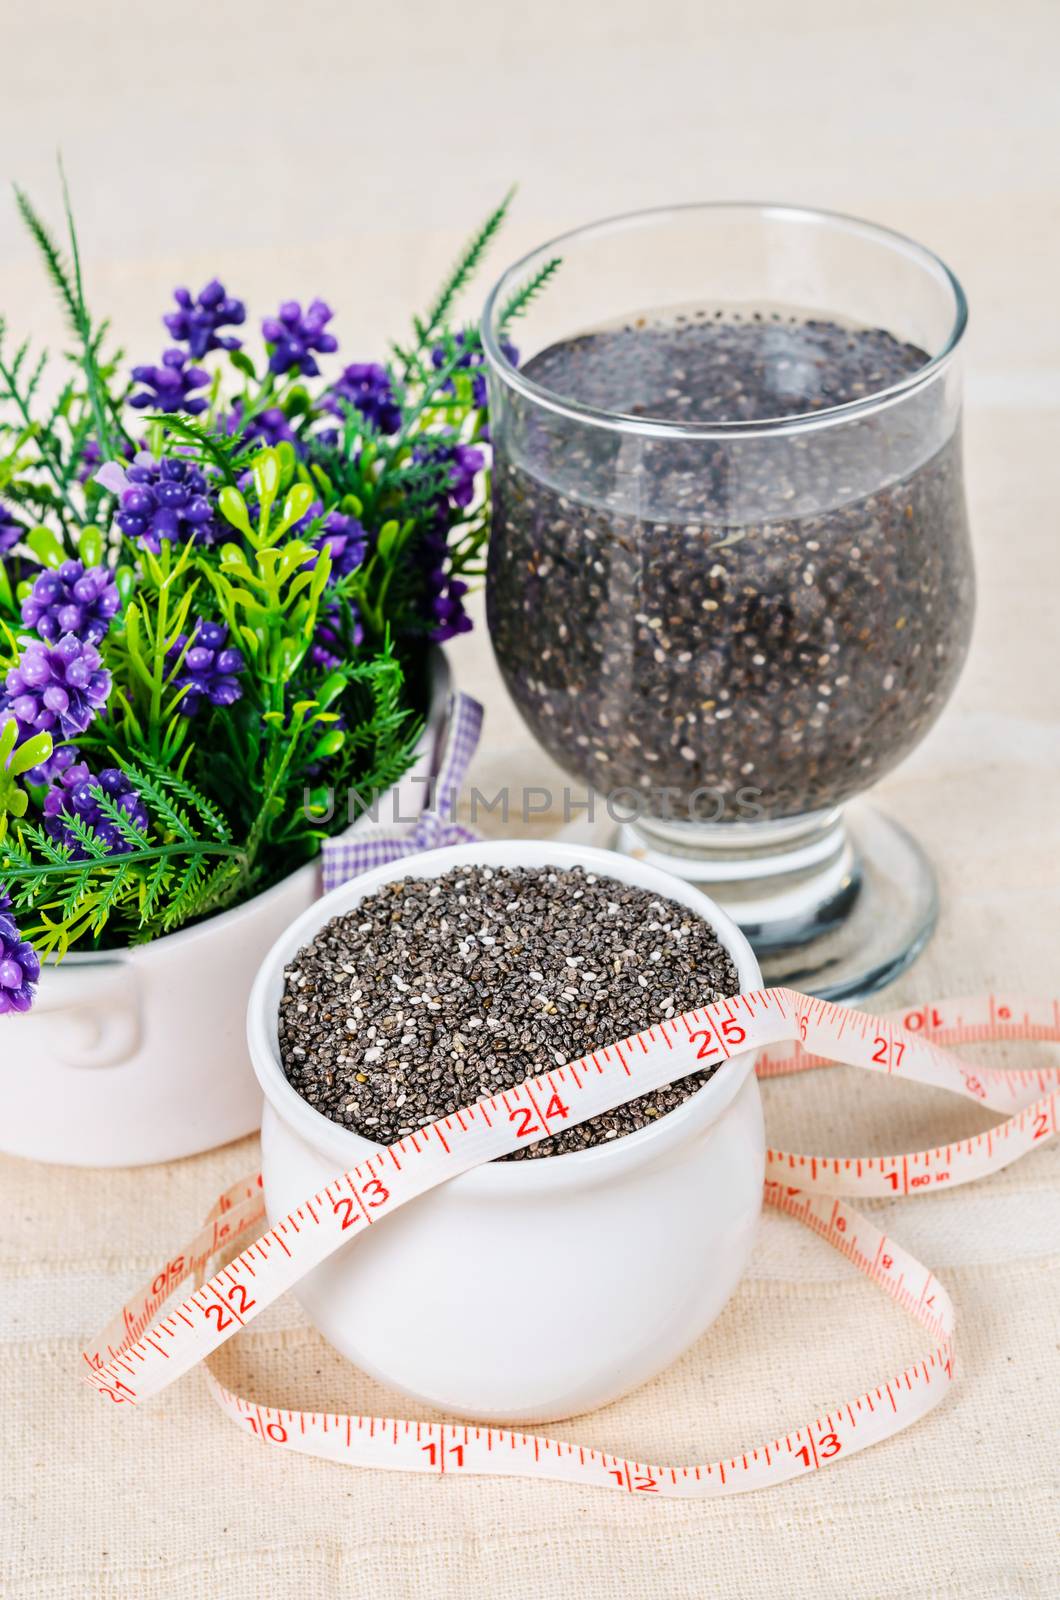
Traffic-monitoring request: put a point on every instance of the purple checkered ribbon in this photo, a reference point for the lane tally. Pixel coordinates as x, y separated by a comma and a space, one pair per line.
373, 844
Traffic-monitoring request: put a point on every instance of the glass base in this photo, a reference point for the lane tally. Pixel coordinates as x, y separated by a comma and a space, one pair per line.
836, 904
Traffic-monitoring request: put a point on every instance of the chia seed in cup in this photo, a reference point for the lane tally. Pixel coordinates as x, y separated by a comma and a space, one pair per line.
728, 628
433, 992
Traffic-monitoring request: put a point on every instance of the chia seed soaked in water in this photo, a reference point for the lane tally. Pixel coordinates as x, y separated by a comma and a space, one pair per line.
433, 992
739, 625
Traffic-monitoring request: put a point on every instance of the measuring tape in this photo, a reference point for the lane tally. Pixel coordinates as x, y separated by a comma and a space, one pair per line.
142, 1352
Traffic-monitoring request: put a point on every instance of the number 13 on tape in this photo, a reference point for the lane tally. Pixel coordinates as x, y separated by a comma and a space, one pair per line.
146, 1348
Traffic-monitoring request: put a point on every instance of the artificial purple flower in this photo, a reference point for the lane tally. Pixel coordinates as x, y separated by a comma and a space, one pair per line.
168, 387
294, 334
166, 500
461, 464
195, 322
346, 541
209, 670
343, 535
444, 602
472, 360
19, 963
76, 794
447, 609
72, 600
366, 386
271, 425
92, 456
330, 642
444, 611
10, 531
58, 687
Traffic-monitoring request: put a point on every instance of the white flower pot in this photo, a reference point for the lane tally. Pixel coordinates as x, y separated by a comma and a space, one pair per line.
531, 1290
140, 1055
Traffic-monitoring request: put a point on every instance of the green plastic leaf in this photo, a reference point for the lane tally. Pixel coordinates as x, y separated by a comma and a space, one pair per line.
319, 804
234, 509
31, 754
296, 505
331, 688
298, 402
321, 479
330, 745
242, 363
46, 547
288, 461
386, 543
266, 473
90, 546
13, 799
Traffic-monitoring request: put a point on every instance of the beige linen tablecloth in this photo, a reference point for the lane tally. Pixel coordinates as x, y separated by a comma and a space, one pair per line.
344, 150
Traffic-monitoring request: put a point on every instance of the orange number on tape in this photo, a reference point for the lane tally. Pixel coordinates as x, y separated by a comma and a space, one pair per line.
525, 1119
273, 1430
245, 1302
556, 1108
379, 1195
709, 1047
343, 1207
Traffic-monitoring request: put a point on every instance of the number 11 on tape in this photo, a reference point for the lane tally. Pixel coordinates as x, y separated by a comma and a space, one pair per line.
145, 1348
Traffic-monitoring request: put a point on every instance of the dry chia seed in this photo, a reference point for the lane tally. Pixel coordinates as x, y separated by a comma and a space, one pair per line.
779, 616
436, 991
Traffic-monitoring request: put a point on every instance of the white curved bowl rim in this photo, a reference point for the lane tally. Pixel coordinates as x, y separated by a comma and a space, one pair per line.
507, 1178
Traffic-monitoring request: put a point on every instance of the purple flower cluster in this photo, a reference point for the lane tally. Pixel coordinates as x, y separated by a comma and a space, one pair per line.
294, 334
445, 606
330, 642
366, 386
473, 360
19, 963
57, 689
10, 531
270, 425
166, 500
462, 463
76, 794
209, 670
92, 456
168, 387
343, 535
72, 600
347, 544
195, 322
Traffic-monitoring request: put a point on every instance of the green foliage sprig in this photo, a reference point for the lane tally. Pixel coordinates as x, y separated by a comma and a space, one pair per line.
323, 516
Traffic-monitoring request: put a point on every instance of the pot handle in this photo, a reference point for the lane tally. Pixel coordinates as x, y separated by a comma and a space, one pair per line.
92, 1013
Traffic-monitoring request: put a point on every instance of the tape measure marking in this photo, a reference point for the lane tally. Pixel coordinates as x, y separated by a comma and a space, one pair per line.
141, 1353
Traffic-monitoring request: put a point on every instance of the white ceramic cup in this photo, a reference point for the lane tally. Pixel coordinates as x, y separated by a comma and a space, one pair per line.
527, 1290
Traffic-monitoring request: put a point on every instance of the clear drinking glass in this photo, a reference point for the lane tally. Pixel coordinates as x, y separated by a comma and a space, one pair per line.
732, 612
